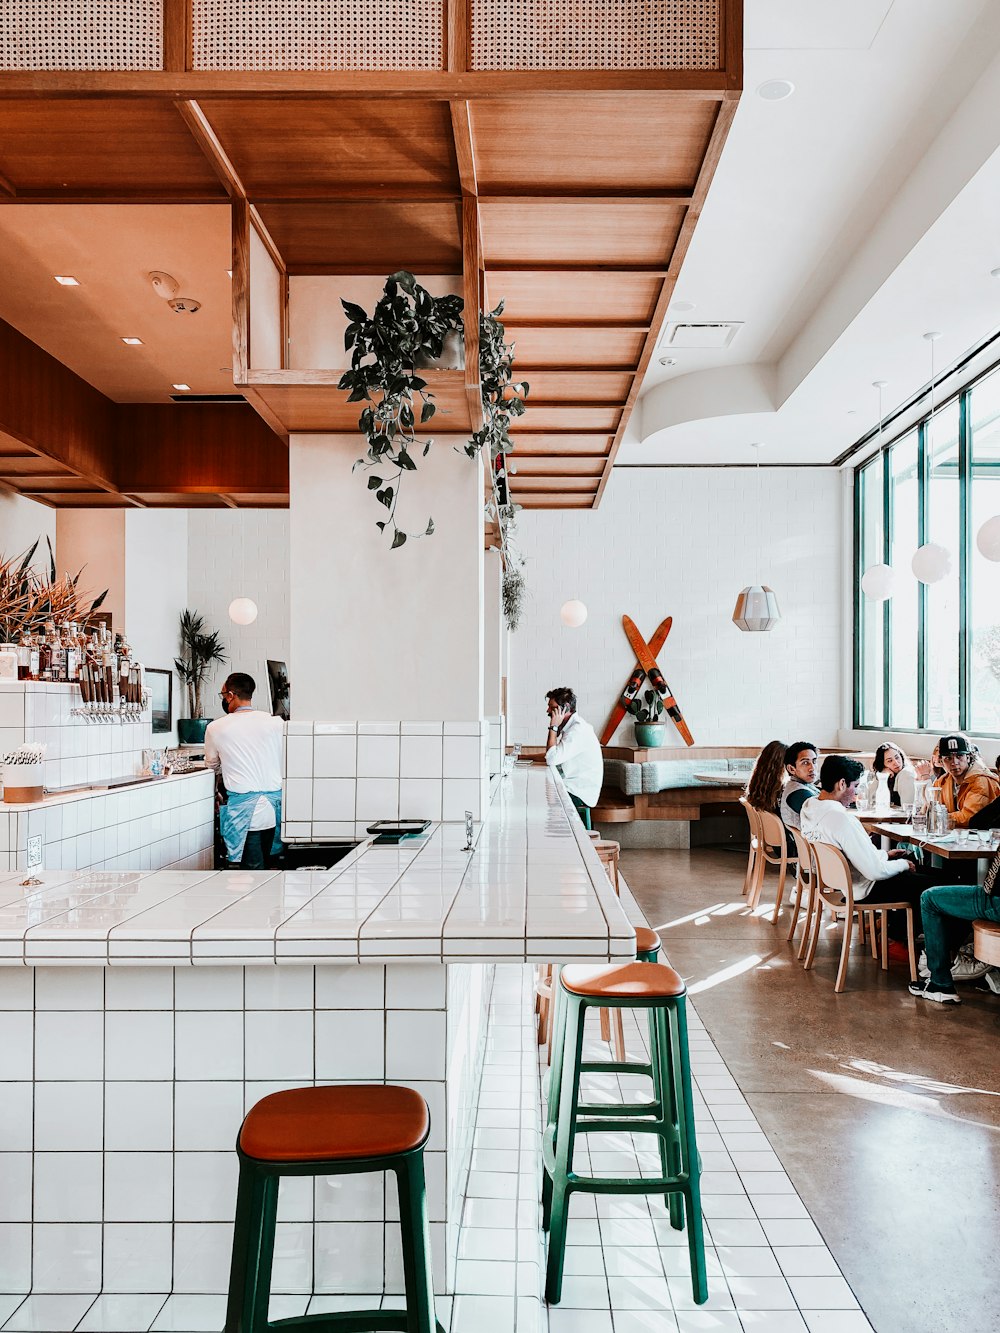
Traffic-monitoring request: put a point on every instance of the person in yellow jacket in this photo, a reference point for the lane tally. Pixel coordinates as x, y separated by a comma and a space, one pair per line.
967, 785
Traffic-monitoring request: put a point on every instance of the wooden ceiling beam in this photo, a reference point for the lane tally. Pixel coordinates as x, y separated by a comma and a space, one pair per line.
544, 197
395, 85
716, 143
208, 141
6, 188
472, 267
655, 271
465, 153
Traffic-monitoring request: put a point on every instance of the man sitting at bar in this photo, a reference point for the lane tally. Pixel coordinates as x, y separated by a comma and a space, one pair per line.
878, 876
801, 758
245, 746
947, 910
571, 745
967, 785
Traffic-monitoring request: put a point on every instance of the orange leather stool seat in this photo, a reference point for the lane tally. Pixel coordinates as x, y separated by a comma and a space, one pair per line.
646, 940
635, 981
329, 1124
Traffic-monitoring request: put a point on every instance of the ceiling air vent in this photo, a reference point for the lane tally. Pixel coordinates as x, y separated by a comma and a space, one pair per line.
700, 335
207, 398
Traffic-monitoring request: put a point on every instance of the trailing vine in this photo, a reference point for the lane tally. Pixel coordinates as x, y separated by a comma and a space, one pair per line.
407, 327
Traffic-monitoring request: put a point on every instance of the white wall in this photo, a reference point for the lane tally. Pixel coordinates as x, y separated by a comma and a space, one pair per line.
156, 579
682, 542
21, 522
241, 553
379, 634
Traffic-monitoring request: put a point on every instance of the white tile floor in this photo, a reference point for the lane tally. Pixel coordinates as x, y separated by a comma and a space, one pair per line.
626, 1269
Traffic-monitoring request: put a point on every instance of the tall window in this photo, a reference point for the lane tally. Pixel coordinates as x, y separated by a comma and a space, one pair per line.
984, 575
929, 657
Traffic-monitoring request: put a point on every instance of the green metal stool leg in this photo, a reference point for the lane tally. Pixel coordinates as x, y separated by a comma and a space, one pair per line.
563, 1157
415, 1236
243, 1277
666, 1095
265, 1253
555, 1080
692, 1194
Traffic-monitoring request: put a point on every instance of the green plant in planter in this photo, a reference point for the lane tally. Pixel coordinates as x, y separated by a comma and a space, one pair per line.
200, 648
650, 711
407, 328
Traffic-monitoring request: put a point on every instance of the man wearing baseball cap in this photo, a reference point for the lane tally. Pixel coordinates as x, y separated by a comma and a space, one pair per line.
966, 785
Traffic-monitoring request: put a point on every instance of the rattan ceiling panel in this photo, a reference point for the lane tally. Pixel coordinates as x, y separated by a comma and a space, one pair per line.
593, 34
81, 34
318, 34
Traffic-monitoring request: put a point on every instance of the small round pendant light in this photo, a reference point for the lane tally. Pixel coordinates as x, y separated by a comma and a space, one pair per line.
931, 562
756, 609
242, 611
878, 582
573, 613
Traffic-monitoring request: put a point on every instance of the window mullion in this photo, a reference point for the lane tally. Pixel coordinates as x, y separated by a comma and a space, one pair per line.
887, 604
964, 558
922, 505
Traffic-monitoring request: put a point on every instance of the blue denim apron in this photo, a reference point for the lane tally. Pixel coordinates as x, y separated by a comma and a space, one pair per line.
235, 817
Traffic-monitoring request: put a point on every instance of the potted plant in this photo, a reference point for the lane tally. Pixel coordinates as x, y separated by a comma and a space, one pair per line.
649, 729
200, 649
408, 329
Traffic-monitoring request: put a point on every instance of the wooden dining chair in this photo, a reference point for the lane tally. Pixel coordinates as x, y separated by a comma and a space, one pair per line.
754, 824
773, 852
835, 893
805, 890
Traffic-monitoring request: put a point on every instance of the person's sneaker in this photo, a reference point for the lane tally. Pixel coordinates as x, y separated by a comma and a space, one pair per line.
967, 966
923, 970
898, 952
926, 990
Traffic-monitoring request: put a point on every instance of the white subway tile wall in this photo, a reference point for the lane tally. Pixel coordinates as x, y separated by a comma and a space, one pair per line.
117, 1168
76, 750
152, 826
342, 776
682, 542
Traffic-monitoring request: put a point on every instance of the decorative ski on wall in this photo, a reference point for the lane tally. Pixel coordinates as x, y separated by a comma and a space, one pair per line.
647, 665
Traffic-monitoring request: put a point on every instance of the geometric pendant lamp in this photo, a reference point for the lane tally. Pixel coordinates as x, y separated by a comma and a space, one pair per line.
756, 609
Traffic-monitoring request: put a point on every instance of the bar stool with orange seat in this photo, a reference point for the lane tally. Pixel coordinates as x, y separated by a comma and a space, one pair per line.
661, 992
330, 1131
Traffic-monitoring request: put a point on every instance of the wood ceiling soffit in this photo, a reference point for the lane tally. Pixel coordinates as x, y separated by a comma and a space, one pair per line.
725, 113
318, 148
86, 148
330, 237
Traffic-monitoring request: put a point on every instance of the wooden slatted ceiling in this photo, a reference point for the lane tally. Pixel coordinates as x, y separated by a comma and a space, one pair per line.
582, 195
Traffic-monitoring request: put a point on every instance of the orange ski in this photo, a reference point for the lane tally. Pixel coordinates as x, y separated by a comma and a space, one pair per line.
647, 660
634, 683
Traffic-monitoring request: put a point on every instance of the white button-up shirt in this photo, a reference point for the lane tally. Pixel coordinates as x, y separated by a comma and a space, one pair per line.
577, 753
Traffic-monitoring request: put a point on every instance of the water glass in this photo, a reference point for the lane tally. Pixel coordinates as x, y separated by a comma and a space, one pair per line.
961, 837
920, 821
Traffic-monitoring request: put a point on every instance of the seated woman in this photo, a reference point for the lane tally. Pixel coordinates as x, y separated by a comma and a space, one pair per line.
890, 759
763, 791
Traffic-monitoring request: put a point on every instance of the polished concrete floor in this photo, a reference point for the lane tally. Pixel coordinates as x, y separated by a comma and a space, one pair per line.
883, 1109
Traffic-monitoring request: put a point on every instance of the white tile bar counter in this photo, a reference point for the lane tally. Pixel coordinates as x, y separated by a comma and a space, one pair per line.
142, 1013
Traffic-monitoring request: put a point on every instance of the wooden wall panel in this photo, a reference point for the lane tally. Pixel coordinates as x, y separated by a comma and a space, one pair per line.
192, 448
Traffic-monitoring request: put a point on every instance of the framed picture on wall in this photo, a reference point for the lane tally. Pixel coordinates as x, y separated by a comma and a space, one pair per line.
160, 684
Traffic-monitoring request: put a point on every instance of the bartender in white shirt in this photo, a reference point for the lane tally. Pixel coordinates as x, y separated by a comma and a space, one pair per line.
572, 746
245, 746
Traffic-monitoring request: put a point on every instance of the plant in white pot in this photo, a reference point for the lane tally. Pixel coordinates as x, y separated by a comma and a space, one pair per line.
649, 726
200, 649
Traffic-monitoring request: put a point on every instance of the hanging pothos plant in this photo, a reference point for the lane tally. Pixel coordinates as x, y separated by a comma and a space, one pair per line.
407, 328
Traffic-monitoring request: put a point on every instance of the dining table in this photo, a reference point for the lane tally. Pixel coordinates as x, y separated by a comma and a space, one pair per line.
976, 844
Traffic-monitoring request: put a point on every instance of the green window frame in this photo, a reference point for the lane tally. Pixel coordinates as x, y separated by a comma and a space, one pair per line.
874, 481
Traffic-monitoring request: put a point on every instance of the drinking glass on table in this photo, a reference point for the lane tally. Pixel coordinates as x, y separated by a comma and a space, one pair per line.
920, 821
961, 837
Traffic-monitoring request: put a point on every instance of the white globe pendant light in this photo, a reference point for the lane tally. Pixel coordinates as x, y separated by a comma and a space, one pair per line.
756, 610
573, 613
931, 563
242, 611
878, 582
988, 539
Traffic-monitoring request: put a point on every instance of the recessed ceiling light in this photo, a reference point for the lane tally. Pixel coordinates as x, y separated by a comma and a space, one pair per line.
132, 342
182, 388
776, 90
682, 305
64, 280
